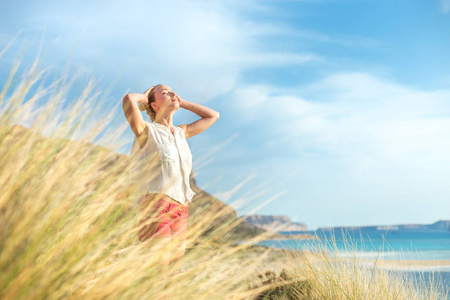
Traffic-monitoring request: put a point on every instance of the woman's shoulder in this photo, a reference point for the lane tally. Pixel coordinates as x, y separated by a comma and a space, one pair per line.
147, 136
152, 127
180, 128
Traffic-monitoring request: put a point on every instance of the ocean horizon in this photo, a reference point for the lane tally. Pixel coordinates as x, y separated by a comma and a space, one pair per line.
388, 244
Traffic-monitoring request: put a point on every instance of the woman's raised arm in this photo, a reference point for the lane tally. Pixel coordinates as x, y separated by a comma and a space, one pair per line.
208, 117
132, 112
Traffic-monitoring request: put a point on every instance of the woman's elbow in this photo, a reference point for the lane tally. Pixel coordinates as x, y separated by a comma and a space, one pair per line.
126, 98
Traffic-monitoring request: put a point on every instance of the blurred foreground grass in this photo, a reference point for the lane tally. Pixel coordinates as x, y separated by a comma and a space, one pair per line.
68, 228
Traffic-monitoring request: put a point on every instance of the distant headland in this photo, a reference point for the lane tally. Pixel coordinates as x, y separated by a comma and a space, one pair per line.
284, 224
443, 225
275, 223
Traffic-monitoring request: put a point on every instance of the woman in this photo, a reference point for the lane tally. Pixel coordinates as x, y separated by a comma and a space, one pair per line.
167, 161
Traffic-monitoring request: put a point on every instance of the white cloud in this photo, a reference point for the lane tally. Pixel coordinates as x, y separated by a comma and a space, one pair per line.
359, 118
359, 143
182, 43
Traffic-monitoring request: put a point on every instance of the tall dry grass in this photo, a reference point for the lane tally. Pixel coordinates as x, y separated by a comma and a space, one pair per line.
68, 228
325, 272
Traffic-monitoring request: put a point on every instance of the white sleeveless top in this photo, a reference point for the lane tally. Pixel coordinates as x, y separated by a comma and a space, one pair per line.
163, 165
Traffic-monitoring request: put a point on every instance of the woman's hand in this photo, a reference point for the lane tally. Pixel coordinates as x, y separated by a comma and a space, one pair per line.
180, 100
145, 100
208, 117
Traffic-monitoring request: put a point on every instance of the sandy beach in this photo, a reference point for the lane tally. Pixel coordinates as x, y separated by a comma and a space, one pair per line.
414, 265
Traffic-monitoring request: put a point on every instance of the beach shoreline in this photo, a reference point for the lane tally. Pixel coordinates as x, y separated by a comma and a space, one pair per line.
413, 265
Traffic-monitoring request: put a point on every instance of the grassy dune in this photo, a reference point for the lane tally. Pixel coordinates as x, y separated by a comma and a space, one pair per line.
68, 229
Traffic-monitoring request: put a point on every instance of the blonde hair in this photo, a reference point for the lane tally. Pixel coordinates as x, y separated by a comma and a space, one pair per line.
147, 106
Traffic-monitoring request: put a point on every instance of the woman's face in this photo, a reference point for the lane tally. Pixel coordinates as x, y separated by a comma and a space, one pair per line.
165, 99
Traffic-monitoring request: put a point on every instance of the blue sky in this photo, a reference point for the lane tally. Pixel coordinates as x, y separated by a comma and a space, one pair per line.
332, 112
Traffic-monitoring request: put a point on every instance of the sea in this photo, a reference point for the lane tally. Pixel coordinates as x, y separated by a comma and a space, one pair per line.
422, 245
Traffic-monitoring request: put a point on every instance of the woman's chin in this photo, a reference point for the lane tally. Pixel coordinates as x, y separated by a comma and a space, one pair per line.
173, 106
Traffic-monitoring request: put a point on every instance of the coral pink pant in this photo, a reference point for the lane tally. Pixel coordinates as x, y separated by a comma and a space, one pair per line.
165, 219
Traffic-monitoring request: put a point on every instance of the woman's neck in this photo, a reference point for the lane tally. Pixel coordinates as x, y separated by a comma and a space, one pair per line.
165, 120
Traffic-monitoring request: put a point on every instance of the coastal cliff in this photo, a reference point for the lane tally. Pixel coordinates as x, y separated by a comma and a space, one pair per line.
275, 223
206, 206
